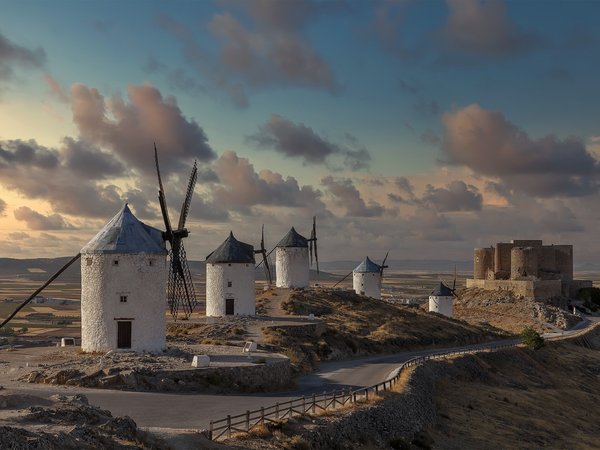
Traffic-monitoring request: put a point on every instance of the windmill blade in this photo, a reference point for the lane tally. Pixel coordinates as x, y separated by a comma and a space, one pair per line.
161, 198
454, 282
342, 279
314, 241
185, 207
181, 292
383, 266
263, 251
40, 289
268, 254
310, 251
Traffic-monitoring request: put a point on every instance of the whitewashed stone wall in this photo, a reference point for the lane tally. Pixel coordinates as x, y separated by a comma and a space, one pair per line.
368, 284
442, 305
103, 283
291, 265
242, 290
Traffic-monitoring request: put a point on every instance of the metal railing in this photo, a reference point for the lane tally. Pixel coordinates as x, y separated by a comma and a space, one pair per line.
332, 400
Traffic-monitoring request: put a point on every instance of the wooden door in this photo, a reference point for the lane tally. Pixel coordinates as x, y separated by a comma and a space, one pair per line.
229, 307
124, 334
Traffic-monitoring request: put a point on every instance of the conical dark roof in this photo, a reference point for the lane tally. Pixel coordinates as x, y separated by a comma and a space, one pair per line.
442, 291
293, 239
124, 233
232, 251
367, 266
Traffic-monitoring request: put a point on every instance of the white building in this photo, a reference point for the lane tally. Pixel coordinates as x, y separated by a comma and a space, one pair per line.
440, 300
123, 283
230, 279
366, 279
291, 261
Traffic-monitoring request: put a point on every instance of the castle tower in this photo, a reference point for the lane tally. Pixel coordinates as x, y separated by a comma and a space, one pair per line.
123, 283
230, 279
440, 300
291, 261
366, 279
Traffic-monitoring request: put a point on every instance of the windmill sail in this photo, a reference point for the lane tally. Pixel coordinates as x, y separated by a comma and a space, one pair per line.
181, 295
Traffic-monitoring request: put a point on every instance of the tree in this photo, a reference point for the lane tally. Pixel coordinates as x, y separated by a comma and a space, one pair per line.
532, 339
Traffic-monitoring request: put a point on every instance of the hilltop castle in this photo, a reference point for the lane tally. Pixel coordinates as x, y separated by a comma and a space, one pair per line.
528, 268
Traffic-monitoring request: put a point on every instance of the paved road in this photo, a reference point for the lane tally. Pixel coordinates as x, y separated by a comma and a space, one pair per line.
196, 410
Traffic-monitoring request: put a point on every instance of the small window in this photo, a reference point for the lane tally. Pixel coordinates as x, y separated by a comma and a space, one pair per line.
116, 262
229, 265
123, 299
151, 262
89, 261
229, 284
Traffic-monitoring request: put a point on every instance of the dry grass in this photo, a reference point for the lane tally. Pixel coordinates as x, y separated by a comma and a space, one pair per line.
543, 399
358, 325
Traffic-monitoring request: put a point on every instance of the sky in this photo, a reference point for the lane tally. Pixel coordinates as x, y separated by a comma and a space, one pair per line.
422, 127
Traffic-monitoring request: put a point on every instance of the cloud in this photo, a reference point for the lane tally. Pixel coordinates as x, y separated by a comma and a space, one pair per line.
13, 55
37, 221
241, 187
260, 44
129, 128
296, 140
2, 207
427, 225
347, 196
59, 176
486, 142
56, 89
456, 196
388, 27
89, 161
484, 29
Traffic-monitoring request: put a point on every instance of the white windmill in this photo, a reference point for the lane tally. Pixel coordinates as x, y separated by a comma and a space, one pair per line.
292, 258
123, 283
230, 277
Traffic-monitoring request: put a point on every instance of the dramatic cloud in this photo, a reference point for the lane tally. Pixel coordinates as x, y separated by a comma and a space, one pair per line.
12, 55
37, 221
260, 43
347, 196
2, 207
484, 29
489, 144
457, 196
60, 177
299, 141
130, 128
241, 187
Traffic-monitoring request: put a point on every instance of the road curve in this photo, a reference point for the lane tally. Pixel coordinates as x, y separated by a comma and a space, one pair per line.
194, 411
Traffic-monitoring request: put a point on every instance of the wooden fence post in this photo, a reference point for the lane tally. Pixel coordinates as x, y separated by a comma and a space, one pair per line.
228, 426
210, 430
277, 410
262, 415
247, 420
303, 405
314, 403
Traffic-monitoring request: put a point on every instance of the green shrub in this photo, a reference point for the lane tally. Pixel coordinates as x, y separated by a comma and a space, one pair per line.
590, 297
532, 339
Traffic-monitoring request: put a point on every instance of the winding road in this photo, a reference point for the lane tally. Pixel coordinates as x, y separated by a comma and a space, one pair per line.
194, 411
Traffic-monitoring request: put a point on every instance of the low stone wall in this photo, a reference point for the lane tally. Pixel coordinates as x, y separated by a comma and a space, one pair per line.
398, 417
301, 330
538, 290
249, 378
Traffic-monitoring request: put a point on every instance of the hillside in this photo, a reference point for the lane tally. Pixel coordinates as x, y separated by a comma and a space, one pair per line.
504, 311
359, 326
521, 399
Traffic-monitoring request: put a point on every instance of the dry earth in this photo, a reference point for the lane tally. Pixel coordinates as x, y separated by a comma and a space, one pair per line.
359, 326
502, 310
521, 399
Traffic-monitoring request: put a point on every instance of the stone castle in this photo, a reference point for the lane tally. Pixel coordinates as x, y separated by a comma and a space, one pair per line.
528, 268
